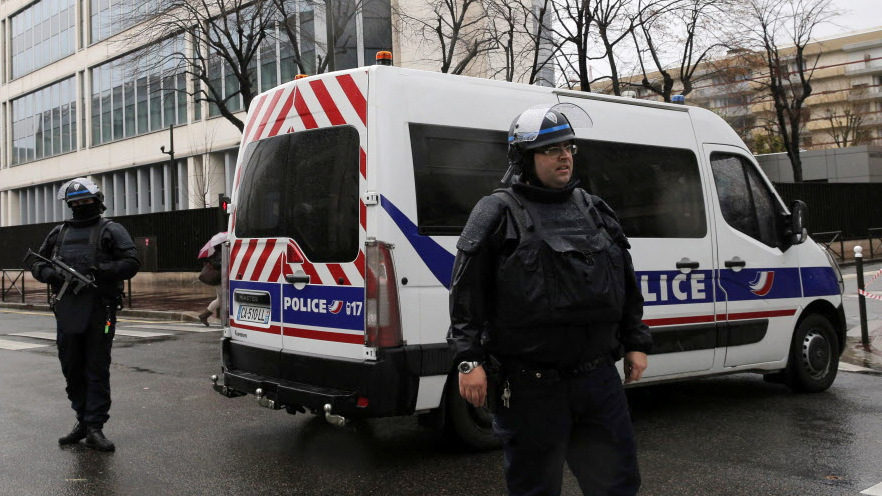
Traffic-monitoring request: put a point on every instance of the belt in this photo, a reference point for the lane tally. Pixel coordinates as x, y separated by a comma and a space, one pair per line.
556, 373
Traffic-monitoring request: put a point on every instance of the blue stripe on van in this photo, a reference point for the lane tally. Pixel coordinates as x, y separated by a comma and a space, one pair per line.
819, 281
437, 259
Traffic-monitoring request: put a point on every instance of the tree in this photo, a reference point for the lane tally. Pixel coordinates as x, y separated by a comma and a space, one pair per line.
457, 31
847, 129
217, 33
521, 34
772, 23
312, 52
686, 32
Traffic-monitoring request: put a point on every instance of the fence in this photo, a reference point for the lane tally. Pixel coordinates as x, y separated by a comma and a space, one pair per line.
847, 207
166, 241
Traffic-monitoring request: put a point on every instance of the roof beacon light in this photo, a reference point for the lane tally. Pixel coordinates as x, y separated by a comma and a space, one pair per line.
300, 76
384, 57
678, 99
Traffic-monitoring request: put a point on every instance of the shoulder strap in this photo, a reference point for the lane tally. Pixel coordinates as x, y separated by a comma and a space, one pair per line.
517, 208
58, 240
586, 206
96, 235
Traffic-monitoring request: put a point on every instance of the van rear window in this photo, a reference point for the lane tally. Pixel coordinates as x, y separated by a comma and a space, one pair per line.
303, 186
655, 191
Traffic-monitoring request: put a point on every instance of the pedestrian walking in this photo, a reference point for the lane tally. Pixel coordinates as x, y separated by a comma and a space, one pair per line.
210, 254
85, 302
543, 302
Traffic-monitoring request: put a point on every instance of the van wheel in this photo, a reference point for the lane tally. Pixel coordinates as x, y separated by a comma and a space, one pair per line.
472, 426
814, 356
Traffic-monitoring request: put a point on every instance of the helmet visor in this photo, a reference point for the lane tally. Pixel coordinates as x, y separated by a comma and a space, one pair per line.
80, 187
529, 124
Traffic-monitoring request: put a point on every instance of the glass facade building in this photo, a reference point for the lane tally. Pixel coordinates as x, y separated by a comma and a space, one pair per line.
41, 34
137, 94
110, 17
44, 123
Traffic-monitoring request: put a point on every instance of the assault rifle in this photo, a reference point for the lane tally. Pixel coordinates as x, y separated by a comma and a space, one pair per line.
68, 274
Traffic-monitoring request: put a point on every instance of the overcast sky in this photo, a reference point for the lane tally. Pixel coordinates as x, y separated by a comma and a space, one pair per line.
857, 15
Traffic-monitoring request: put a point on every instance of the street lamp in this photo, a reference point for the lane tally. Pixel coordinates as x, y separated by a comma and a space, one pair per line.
171, 163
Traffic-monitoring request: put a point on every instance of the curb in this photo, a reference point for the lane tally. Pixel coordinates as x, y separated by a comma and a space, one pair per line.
126, 312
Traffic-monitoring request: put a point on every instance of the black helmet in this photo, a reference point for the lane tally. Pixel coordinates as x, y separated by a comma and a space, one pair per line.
80, 188
540, 126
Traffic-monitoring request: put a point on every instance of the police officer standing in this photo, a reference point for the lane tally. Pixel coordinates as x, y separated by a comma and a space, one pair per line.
86, 318
543, 302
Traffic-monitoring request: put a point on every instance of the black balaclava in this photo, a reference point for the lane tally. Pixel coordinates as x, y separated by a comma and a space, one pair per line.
87, 211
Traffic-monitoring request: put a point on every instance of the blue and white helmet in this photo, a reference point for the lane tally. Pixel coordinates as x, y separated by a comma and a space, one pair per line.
78, 189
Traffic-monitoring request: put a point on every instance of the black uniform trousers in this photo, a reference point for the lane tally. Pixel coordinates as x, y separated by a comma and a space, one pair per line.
580, 419
85, 362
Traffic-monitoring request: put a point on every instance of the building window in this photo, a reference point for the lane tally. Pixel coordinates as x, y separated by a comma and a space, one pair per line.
44, 123
377, 24
137, 94
42, 34
110, 17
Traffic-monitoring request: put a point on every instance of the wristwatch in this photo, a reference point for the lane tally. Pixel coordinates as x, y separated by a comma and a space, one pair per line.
467, 367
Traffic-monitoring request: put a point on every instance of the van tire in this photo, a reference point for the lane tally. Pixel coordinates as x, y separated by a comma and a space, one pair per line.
814, 355
473, 427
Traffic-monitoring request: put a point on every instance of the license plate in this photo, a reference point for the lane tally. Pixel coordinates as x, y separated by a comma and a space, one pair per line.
257, 315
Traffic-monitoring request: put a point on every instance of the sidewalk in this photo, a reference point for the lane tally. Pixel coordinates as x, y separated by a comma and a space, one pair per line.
160, 303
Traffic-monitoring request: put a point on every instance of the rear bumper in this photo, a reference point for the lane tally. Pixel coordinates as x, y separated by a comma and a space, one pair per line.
390, 384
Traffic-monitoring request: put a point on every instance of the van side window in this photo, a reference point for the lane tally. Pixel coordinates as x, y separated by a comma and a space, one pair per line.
655, 191
746, 202
303, 186
453, 168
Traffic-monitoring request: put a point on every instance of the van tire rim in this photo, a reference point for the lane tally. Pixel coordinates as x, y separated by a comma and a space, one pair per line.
816, 354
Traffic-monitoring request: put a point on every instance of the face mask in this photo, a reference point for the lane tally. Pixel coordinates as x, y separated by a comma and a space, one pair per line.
83, 212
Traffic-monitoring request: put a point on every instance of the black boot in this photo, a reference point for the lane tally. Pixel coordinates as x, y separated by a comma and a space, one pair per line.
95, 439
76, 434
203, 317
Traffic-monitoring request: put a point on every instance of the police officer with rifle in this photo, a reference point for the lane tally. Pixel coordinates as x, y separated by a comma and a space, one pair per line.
543, 302
85, 261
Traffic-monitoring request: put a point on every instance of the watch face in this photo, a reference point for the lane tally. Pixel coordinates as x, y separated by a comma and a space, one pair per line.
465, 367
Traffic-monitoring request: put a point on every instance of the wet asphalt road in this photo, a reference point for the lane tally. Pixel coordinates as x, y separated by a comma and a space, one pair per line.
733, 435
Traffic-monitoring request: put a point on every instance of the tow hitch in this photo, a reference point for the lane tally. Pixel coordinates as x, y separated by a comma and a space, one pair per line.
223, 389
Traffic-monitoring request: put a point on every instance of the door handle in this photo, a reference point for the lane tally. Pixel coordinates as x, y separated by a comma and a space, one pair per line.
687, 264
295, 278
736, 262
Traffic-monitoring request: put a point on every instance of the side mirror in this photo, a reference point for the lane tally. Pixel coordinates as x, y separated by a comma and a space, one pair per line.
797, 230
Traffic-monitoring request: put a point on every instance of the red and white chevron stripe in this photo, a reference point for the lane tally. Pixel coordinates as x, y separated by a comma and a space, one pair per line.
309, 103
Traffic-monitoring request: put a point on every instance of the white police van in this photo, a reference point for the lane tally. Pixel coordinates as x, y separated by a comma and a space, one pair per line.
352, 187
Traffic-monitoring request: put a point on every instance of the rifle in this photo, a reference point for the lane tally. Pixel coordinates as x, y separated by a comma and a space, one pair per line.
67, 273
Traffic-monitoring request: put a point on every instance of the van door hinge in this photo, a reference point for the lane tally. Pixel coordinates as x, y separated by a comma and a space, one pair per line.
371, 198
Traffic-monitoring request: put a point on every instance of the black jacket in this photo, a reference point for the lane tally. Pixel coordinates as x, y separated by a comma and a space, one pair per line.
488, 238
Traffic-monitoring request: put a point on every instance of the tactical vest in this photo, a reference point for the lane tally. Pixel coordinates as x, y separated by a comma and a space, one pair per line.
568, 273
80, 247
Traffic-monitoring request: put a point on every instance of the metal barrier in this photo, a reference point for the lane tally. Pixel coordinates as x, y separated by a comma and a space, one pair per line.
874, 234
16, 283
833, 237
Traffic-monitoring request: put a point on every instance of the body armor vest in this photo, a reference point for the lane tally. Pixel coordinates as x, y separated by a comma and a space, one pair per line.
565, 270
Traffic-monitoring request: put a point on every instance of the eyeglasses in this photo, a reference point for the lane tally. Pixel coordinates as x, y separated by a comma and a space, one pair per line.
558, 150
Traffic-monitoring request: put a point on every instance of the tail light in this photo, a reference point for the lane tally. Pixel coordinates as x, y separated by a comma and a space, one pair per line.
382, 317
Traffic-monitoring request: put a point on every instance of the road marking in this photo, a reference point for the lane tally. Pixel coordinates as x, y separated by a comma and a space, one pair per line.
7, 344
21, 312
140, 334
848, 367
874, 491
852, 276
51, 336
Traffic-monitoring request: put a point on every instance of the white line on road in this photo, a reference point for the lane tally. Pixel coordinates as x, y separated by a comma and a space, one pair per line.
37, 335
874, 491
140, 334
182, 328
7, 344
848, 367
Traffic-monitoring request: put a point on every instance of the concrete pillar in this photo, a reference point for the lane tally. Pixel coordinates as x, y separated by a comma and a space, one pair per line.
131, 197
216, 174
143, 190
183, 184
167, 187
156, 178
118, 194
59, 205
229, 171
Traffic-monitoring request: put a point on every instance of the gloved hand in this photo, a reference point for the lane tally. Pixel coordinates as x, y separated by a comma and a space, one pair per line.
104, 271
50, 276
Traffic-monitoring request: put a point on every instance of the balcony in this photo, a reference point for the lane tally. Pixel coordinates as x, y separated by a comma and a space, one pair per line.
864, 67
866, 93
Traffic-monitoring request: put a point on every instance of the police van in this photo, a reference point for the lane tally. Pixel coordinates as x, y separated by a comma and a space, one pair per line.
352, 187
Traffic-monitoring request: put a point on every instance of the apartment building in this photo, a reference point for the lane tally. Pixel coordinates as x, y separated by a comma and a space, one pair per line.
844, 109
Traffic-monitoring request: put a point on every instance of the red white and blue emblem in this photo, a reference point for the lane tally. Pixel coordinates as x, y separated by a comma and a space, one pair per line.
762, 283
335, 307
